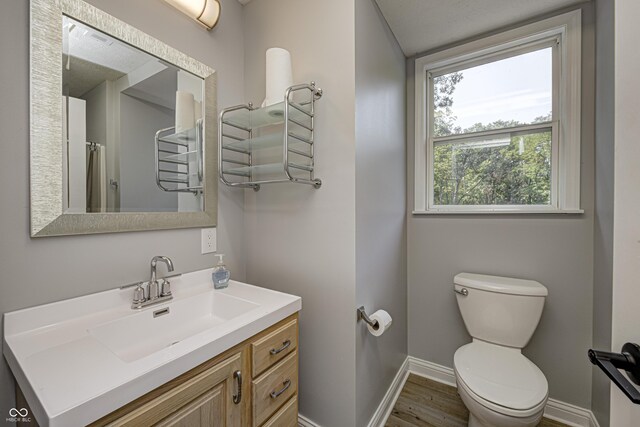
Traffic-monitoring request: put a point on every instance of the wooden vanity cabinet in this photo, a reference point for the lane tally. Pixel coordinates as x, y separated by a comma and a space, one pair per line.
267, 366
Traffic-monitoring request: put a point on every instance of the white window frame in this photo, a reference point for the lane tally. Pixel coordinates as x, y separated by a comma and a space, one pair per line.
563, 31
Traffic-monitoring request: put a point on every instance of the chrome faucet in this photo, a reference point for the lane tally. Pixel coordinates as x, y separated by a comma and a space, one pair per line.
153, 283
154, 294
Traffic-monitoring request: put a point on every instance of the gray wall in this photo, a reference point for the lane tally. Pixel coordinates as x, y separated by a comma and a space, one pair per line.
99, 113
298, 239
556, 250
603, 214
96, 114
380, 204
96, 122
139, 122
37, 271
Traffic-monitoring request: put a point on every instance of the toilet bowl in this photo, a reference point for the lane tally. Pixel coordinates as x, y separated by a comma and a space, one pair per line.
499, 386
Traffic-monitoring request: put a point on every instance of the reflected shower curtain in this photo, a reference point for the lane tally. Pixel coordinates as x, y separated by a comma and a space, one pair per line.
96, 178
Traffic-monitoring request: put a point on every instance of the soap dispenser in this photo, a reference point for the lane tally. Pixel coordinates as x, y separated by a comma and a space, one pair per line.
221, 274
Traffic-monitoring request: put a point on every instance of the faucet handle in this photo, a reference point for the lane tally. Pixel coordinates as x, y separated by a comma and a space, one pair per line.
138, 294
165, 288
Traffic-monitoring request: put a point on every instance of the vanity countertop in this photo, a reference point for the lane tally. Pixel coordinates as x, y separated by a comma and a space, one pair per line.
80, 359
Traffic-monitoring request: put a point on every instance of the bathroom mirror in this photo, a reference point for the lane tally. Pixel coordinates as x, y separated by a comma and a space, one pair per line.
123, 129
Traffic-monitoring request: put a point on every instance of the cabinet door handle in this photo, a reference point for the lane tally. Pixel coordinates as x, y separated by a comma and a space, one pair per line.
275, 394
237, 375
285, 345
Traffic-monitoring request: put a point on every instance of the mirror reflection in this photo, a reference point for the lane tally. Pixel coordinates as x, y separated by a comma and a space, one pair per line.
132, 128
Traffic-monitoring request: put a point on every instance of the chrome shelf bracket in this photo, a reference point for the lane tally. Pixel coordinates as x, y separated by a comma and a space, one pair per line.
235, 139
186, 175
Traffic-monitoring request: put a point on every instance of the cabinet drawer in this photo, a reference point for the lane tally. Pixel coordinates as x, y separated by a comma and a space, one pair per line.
285, 417
274, 347
274, 388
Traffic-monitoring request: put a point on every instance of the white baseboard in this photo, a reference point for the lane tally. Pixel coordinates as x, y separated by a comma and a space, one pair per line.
379, 418
570, 414
556, 410
306, 422
381, 415
432, 371
566, 413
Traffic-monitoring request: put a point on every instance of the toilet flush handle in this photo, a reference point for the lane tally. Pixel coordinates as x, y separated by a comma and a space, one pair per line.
464, 291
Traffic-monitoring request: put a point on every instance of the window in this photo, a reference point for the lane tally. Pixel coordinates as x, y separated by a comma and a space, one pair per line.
498, 123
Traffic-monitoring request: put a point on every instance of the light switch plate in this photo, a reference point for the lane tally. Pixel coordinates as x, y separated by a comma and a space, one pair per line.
208, 240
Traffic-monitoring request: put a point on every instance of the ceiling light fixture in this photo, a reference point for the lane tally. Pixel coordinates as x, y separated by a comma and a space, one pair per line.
205, 12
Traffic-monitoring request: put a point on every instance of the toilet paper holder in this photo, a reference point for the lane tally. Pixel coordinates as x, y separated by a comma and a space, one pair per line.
362, 315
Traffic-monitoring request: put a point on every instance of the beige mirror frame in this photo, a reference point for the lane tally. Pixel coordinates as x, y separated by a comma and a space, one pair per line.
47, 215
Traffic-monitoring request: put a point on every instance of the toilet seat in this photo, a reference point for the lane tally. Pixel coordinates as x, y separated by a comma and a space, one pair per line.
500, 378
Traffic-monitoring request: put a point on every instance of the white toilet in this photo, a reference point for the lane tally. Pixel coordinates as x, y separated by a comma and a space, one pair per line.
499, 386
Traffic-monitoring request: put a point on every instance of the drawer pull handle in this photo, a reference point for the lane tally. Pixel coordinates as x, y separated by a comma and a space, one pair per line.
237, 375
275, 394
285, 345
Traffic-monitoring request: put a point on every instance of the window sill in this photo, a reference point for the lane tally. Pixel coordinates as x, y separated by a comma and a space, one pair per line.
500, 211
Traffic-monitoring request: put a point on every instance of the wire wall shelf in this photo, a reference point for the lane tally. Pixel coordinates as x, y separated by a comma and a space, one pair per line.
269, 145
179, 159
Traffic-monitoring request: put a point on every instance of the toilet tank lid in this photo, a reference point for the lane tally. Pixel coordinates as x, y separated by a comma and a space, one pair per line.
503, 285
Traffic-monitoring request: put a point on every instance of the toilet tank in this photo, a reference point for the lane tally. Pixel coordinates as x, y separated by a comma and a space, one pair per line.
500, 310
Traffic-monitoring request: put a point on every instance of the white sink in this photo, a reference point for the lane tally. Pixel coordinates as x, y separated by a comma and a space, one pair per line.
143, 333
80, 359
